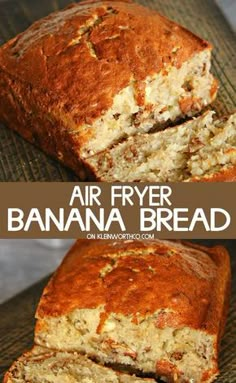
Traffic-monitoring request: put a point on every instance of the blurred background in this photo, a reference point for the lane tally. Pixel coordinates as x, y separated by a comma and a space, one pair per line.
228, 7
26, 261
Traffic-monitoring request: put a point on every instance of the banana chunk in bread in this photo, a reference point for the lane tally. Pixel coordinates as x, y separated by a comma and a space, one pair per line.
202, 149
81, 79
155, 306
45, 366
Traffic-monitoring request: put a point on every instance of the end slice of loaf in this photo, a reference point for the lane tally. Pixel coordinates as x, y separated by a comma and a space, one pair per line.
203, 149
83, 78
156, 306
46, 366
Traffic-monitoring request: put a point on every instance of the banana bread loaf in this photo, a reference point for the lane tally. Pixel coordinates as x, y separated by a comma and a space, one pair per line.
202, 149
45, 366
155, 306
82, 79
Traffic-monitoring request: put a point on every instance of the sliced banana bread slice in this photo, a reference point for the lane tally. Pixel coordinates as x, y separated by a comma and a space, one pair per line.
202, 149
45, 366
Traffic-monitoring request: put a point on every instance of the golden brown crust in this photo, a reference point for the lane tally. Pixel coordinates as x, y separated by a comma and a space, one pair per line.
24, 109
7, 377
113, 41
222, 286
193, 280
224, 175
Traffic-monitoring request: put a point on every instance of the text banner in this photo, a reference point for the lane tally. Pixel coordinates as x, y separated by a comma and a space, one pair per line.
117, 211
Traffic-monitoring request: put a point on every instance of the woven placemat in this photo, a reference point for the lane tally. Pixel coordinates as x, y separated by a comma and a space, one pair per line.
17, 324
20, 161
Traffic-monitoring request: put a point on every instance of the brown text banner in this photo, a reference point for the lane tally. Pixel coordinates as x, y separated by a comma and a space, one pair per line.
117, 211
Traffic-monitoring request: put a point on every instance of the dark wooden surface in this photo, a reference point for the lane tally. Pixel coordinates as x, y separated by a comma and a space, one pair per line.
17, 324
20, 161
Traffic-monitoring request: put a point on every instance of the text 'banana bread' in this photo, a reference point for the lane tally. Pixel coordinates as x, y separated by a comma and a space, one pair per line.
82, 79
158, 307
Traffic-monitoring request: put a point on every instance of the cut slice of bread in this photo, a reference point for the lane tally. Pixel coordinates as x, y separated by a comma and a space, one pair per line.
46, 366
202, 149
156, 306
83, 78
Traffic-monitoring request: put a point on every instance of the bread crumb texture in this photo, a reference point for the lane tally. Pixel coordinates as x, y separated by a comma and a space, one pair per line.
196, 150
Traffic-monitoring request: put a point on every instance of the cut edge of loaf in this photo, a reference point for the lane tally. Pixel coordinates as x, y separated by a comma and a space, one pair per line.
177, 355
202, 149
41, 365
170, 95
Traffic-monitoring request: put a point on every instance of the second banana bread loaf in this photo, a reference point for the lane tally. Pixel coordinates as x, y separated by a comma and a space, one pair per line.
155, 306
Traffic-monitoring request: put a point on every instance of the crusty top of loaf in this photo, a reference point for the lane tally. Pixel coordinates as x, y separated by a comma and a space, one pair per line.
85, 54
223, 175
138, 278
